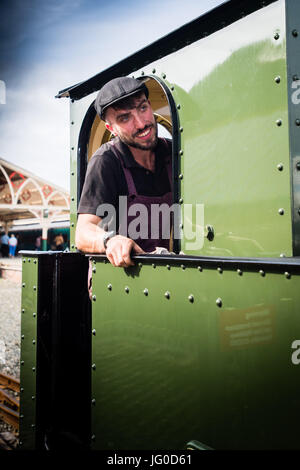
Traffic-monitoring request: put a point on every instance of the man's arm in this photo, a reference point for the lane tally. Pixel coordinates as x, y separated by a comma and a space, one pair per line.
89, 239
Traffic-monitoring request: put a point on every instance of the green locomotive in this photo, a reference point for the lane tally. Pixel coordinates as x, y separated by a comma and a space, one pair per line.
198, 349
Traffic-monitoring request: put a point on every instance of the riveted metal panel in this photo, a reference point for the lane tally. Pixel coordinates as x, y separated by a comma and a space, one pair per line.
231, 96
185, 352
28, 353
293, 84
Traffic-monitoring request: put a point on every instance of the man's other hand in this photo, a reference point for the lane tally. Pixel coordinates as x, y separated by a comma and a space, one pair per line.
119, 249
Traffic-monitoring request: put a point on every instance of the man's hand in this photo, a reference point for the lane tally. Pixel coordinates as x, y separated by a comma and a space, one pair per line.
119, 249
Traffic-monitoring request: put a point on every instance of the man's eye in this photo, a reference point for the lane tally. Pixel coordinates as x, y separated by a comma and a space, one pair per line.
144, 107
124, 118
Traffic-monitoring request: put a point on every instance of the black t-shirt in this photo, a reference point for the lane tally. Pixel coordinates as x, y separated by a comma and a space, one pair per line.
105, 180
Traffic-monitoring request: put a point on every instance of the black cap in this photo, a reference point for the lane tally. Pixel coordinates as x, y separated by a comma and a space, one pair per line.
116, 90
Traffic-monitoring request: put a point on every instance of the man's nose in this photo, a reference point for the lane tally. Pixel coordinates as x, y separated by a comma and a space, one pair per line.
139, 121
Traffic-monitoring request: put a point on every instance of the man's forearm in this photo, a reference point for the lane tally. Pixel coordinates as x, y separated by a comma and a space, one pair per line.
89, 238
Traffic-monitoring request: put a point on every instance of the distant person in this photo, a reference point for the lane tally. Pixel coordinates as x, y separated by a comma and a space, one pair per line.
59, 242
12, 242
4, 245
38, 243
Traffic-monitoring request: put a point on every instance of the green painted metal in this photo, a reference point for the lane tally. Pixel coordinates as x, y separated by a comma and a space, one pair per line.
28, 353
210, 362
293, 84
231, 103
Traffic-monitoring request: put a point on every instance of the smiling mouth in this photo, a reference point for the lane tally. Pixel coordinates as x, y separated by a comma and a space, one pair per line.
145, 133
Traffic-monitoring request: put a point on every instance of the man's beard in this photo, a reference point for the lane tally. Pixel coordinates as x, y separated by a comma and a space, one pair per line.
142, 146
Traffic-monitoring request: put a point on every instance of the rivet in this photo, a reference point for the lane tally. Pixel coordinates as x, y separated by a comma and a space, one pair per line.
281, 211
22, 363
178, 106
29, 260
34, 261
72, 199
109, 287
94, 298
297, 122
280, 166
287, 275
180, 152
191, 298
72, 246
168, 266
33, 426
34, 314
180, 176
140, 265
21, 416
299, 211
181, 129
153, 70
277, 79
22, 337
94, 332
172, 88
126, 289
72, 173
298, 166
23, 310
33, 341
240, 272
72, 122
276, 36
153, 265
167, 295
181, 226
146, 292
93, 437
200, 268
282, 255
23, 285
33, 369
163, 75
21, 389
93, 401
219, 302
278, 122
142, 73
34, 287
220, 270
94, 269
182, 266
295, 78
262, 272
180, 200
24, 260
72, 224
33, 397
295, 33
94, 366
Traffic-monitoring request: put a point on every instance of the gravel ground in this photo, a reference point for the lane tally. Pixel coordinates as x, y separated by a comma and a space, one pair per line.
10, 331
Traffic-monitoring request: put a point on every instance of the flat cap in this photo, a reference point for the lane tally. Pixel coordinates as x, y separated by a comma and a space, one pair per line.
116, 90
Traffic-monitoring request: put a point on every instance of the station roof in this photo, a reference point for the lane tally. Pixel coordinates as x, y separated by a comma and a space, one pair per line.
24, 195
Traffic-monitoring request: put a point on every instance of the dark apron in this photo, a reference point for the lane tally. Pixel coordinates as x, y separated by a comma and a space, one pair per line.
147, 244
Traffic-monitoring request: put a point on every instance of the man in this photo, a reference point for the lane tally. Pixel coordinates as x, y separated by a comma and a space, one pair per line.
4, 245
12, 245
135, 166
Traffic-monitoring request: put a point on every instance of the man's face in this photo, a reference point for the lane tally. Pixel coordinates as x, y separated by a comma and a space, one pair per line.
136, 126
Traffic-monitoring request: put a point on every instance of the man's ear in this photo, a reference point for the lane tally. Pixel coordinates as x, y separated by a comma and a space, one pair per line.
109, 127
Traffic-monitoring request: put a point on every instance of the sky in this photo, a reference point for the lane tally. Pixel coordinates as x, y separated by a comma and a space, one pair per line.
48, 45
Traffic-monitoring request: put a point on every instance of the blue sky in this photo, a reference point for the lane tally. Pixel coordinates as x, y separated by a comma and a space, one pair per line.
46, 46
